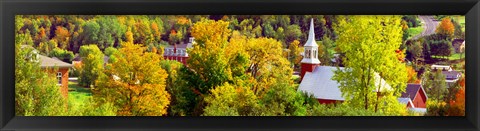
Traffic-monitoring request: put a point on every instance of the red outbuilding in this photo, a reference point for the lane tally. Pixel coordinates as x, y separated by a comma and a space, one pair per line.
417, 94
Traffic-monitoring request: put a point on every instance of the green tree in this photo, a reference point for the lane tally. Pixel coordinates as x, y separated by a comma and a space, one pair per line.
90, 34
229, 100
268, 30
182, 97
283, 100
435, 85
442, 48
415, 52
325, 53
247, 28
292, 33
280, 34
135, 83
458, 33
109, 51
369, 44
111, 31
64, 55
92, 64
47, 47
36, 91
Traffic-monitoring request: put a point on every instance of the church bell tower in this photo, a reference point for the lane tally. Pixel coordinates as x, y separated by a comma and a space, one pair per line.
310, 57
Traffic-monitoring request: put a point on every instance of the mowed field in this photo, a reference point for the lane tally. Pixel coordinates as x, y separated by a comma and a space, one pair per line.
78, 95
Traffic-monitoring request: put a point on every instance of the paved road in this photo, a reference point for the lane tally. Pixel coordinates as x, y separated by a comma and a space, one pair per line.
429, 25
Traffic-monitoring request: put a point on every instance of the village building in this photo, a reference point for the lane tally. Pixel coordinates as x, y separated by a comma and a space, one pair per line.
53, 66
441, 67
407, 102
178, 52
458, 45
451, 76
50, 64
416, 96
317, 80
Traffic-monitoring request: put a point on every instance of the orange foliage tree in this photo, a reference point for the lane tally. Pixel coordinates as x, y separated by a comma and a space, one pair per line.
446, 27
135, 83
457, 106
400, 55
412, 75
41, 36
62, 36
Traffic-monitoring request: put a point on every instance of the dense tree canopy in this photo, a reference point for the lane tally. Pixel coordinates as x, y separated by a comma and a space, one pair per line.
135, 83
369, 43
92, 64
36, 91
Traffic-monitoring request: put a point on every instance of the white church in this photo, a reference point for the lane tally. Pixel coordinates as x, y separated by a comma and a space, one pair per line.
317, 79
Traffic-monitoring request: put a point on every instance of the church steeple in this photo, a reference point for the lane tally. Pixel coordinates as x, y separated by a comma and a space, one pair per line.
311, 47
310, 57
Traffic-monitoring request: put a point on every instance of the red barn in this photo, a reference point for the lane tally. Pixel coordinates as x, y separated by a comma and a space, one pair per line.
417, 95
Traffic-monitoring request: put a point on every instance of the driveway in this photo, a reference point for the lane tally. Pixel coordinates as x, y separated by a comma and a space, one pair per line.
429, 25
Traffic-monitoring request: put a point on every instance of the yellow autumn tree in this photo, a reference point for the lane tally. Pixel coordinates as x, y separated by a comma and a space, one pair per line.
411, 75
295, 51
207, 59
267, 64
129, 36
135, 83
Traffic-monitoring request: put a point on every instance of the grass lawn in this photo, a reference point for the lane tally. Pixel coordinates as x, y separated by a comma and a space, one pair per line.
414, 31
78, 94
456, 56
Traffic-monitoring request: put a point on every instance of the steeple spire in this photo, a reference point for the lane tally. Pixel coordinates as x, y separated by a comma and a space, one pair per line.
311, 36
310, 57
311, 47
